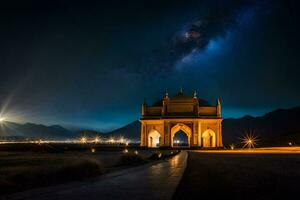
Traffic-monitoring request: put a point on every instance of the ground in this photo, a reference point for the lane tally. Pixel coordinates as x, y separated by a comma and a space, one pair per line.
264, 173
154, 180
31, 168
240, 175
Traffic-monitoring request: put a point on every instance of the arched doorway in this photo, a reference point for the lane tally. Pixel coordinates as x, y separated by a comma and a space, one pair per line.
182, 131
209, 138
180, 139
154, 139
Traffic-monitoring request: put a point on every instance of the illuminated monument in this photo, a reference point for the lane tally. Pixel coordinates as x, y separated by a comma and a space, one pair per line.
201, 122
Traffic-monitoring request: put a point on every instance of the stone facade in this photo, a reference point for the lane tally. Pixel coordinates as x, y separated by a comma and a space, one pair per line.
201, 122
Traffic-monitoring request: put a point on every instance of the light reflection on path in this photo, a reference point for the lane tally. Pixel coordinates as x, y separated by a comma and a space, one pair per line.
153, 181
266, 150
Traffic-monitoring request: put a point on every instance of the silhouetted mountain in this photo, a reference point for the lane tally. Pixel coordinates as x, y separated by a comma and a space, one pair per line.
30, 130
276, 128
130, 131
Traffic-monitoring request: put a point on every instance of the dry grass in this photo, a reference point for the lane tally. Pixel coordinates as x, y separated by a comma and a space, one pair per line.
24, 170
29, 169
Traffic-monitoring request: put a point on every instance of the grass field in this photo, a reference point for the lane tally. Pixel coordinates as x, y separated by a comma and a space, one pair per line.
21, 170
240, 176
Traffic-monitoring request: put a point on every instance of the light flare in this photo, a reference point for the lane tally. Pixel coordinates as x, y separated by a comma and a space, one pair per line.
249, 140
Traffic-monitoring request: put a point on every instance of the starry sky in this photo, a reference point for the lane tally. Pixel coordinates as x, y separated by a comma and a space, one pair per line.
89, 64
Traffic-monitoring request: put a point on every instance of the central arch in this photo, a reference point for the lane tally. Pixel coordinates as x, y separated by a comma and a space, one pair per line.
209, 138
154, 138
181, 127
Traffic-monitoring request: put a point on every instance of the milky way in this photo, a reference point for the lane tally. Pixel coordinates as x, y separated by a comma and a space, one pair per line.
91, 65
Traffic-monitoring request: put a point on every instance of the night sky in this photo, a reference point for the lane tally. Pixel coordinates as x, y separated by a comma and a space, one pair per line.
89, 64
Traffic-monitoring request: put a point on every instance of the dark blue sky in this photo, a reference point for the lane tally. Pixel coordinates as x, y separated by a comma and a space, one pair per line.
90, 64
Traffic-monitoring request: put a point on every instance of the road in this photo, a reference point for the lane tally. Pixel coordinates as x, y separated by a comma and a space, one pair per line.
152, 181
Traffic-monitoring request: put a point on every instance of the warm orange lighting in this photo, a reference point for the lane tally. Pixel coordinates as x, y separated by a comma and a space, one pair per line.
232, 146
2, 119
40, 141
97, 139
121, 140
111, 140
249, 141
83, 140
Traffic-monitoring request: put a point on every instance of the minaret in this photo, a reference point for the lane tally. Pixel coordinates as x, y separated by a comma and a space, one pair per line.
195, 94
219, 108
167, 94
181, 90
144, 107
163, 111
196, 103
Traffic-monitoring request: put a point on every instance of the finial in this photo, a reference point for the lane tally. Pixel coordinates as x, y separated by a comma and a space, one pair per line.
195, 94
218, 101
181, 90
167, 94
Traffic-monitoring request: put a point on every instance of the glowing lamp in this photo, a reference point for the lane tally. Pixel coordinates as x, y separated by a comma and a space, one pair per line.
2, 119
97, 140
83, 140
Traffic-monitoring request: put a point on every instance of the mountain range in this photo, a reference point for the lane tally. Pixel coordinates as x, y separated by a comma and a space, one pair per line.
276, 128
31, 130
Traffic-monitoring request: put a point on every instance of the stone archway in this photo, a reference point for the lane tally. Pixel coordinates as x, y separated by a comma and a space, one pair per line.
154, 138
187, 130
209, 138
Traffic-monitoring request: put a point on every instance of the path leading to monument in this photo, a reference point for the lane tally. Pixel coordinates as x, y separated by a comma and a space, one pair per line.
152, 181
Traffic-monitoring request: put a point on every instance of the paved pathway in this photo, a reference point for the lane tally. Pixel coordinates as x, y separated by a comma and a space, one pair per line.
152, 181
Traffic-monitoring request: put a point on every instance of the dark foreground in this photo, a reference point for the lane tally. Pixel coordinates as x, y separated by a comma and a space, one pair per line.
28, 166
240, 176
154, 180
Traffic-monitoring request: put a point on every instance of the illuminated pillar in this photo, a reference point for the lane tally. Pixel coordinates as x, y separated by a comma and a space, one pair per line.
195, 133
167, 134
220, 138
199, 133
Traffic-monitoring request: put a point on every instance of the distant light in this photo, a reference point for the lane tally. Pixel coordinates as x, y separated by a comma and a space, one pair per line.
249, 140
125, 151
136, 152
159, 154
83, 140
232, 146
111, 140
97, 140
2, 119
121, 140
290, 143
93, 150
